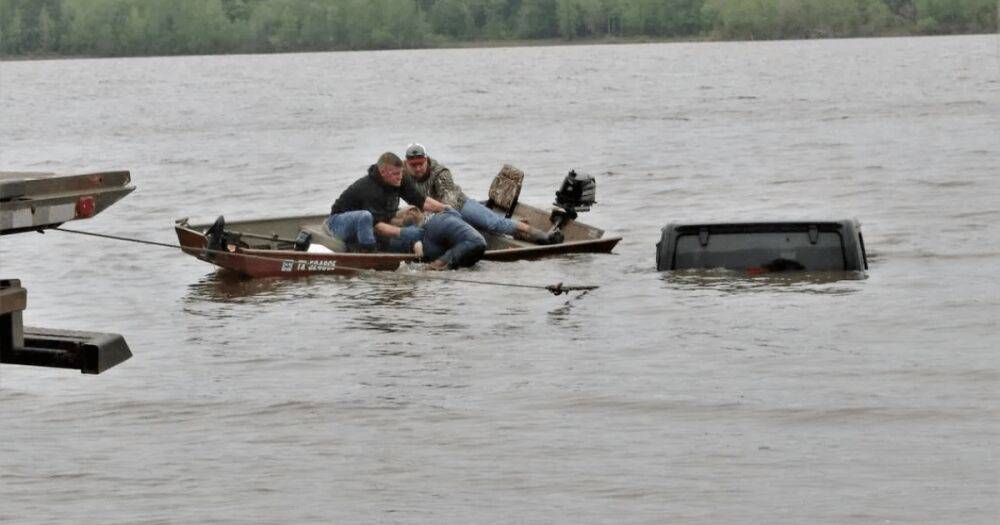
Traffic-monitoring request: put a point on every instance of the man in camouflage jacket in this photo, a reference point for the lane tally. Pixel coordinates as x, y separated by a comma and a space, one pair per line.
435, 180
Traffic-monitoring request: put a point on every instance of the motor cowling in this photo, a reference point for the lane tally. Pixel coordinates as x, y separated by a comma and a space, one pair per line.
578, 192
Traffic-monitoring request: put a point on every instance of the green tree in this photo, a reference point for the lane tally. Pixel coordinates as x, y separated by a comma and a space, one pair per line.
85, 23
287, 31
680, 17
537, 19
142, 27
238, 10
356, 18
568, 16
492, 18
47, 35
902, 8
451, 18
403, 22
956, 16
581, 18
986, 15
202, 26
317, 29
12, 41
135, 34
743, 19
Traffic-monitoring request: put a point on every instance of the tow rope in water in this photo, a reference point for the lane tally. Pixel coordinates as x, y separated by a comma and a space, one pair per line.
555, 289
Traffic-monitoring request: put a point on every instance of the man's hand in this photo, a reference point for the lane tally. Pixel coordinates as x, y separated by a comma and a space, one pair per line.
386, 230
434, 206
412, 233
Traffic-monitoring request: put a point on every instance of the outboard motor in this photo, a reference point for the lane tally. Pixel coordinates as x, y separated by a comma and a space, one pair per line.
216, 235
577, 194
303, 241
219, 240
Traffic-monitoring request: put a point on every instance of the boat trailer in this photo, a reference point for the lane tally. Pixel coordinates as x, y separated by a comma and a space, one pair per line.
32, 201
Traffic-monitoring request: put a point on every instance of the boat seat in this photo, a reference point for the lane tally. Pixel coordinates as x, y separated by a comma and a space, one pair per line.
321, 235
505, 189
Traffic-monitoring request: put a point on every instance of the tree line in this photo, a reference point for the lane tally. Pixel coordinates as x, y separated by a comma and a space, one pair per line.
170, 27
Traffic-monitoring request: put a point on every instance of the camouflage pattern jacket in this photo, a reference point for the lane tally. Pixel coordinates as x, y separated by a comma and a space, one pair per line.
438, 185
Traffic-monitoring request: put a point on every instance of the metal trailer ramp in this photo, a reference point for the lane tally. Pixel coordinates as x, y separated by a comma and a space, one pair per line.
34, 202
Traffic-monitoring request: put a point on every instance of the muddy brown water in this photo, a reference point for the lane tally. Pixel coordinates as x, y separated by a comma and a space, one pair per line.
705, 398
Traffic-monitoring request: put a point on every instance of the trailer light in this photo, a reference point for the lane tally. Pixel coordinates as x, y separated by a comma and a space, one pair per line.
85, 207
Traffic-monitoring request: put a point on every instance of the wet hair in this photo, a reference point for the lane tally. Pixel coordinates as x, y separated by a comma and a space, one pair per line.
390, 159
408, 216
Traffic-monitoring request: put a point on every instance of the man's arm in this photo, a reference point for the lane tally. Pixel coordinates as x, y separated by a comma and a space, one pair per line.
411, 194
350, 199
408, 234
445, 188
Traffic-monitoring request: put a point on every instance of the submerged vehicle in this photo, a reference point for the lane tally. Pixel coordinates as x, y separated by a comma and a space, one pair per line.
32, 201
287, 246
763, 247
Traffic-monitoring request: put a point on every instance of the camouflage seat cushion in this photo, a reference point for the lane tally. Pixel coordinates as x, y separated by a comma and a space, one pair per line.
506, 188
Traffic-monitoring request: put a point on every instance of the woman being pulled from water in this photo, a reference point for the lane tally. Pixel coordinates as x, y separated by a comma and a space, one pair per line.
362, 218
435, 180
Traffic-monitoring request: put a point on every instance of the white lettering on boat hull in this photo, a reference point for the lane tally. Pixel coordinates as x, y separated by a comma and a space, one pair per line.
308, 266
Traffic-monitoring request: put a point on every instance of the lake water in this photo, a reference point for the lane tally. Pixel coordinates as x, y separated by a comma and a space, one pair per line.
657, 398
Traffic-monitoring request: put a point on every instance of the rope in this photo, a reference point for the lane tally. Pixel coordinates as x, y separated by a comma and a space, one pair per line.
126, 239
555, 289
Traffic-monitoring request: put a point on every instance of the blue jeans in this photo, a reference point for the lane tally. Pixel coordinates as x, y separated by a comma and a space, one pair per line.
353, 227
448, 237
482, 218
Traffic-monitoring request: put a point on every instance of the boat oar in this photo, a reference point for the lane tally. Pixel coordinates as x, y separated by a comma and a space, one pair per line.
261, 237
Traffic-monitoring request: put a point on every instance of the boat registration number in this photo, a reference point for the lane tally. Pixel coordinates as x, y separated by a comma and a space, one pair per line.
308, 266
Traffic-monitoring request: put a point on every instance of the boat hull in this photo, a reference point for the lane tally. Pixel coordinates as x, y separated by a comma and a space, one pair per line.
286, 263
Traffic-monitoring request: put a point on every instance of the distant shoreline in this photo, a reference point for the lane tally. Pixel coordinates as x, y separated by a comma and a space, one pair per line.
489, 44
454, 44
